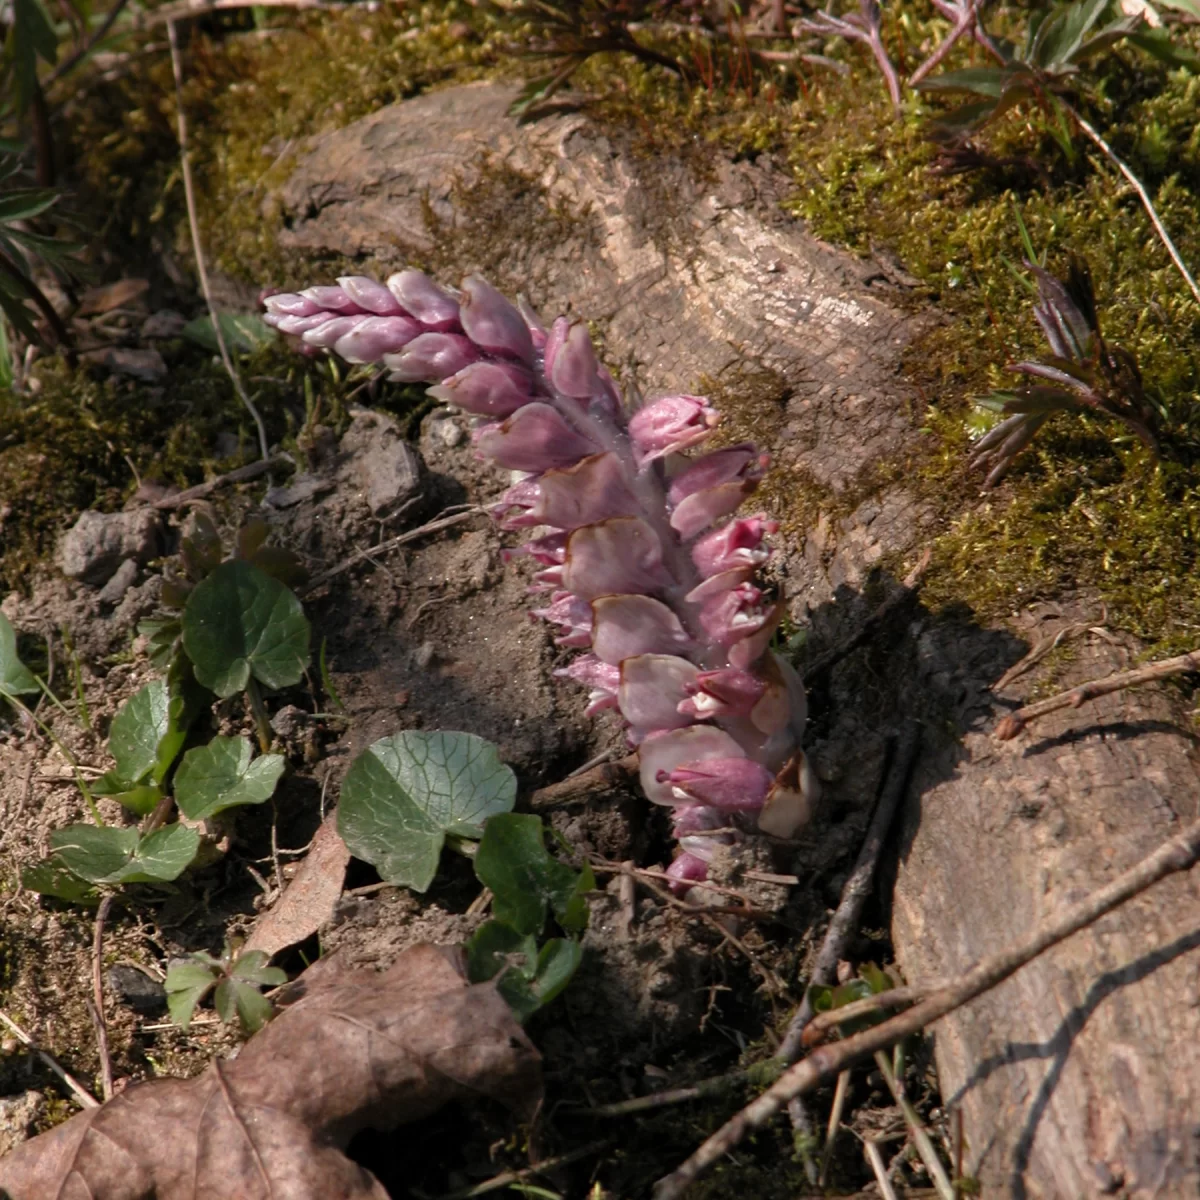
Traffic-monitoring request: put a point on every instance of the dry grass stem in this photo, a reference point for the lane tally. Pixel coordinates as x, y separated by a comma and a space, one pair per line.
84, 1098
240, 475
1177, 854
916, 1129
97, 1005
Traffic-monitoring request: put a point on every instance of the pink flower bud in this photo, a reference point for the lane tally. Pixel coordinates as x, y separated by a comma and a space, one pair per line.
745, 652
419, 296
620, 556
571, 360
696, 818
627, 625
670, 425
734, 614
431, 357
686, 871
373, 337
289, 304
735, 784
715, 584
492, 323
298, 325
534, 438
370, 295
568, 497
323, 336
738, 544
731, 465
548, 550
601, 678
334, 299
695, 513
487, 389
537, 331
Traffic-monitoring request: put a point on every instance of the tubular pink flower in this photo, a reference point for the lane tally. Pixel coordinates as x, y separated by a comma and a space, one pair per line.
643, 570
737, 544
670, 425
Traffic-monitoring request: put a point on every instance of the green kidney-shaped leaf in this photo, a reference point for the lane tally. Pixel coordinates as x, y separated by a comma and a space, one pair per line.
526, 880
51, 878
16, 679
404, 794
105, 854
221, 775
530, 978
142, 722
238, 623
557, 962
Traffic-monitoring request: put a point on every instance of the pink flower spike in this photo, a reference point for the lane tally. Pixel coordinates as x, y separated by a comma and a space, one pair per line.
620, 556
373, 337
736, 784
492, 323
629, 625
431, 357
547, 550
433, 306
686, 871
371, 295
738, 544
733, 614
670, 425
652, 687
664, 752
601, 678
289, 304
537, 331
323, 336
534, 438
487, 389
571, 359
334, 299
724, 693
696, 818
593, 489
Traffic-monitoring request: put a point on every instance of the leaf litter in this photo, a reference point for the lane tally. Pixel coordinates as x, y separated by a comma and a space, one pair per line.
355, 1050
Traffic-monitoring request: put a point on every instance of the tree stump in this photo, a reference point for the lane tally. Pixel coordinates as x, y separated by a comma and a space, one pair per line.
1081, 1075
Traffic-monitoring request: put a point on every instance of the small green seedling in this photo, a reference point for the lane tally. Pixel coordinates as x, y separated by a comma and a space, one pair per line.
235, 981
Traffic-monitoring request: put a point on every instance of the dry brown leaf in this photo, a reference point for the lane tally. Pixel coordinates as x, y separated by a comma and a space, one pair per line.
310, 898
113, 295
357, 1050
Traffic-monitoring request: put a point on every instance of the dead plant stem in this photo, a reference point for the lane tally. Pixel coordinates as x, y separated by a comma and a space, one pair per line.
189, 192
1015, 722
240, 475
1177, 854
106, 1076
83, 1097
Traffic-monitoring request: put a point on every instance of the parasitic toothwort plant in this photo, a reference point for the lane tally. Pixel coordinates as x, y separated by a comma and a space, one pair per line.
643, 562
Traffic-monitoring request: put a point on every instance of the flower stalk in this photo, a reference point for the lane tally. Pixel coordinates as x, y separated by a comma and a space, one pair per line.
642, 561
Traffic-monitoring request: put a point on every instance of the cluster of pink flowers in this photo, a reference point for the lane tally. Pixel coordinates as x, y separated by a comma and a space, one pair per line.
643, 562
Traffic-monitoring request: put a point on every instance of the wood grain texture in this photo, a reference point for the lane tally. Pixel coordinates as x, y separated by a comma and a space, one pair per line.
1081, 1076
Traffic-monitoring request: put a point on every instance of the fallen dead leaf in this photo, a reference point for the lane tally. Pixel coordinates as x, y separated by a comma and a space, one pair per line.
310, 898
357, 1050
113, 295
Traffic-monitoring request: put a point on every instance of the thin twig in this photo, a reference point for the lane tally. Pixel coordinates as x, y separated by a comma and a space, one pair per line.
857, 887
1177, 854
835, 1123
240, 475
508, 1178
1137, 185
967, 13
717, 1085
97, 1006
832, 657
1012, 724
189, 193
916, 1129
878, 1169
169, 13
402, 539
102, 31
84, 1098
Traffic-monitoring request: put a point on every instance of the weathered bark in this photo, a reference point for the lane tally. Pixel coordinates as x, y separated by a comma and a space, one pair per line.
1079, 1073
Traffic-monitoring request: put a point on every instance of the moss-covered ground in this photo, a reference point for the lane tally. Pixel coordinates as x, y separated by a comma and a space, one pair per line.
1085, 507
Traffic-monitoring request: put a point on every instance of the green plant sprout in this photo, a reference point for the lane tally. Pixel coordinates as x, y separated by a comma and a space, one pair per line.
234, 979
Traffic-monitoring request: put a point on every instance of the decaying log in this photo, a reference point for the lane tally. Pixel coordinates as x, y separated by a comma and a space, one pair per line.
1081, 1075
